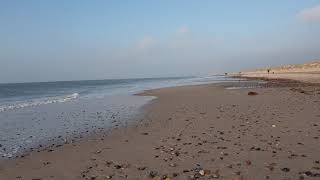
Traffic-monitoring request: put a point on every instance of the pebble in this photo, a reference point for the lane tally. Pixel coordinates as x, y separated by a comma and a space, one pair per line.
285, 169
238, 178
141, 168
252, 93
216, 174
153, 174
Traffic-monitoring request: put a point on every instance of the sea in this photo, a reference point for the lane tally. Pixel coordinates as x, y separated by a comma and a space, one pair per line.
35, 115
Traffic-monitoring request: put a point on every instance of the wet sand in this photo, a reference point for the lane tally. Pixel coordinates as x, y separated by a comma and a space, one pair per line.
191, 132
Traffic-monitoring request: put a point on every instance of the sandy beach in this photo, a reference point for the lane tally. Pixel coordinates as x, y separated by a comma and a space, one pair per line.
191, 132
308, 72
159, 90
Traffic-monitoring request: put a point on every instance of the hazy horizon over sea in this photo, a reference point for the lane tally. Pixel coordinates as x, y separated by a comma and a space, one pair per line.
42, 113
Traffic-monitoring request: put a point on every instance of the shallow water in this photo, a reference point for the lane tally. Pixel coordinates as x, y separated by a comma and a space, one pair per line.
27, 128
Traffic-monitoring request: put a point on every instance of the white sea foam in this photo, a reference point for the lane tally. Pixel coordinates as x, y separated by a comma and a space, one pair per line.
38, 102
9, 154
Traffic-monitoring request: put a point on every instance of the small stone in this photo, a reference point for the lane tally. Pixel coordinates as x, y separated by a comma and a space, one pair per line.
175, 174
117, 166
201, 172
153, 174
157, 178
252, 93
285, 169
238, 178
308, 173
216, 174
248, 163
273, 125
141, 168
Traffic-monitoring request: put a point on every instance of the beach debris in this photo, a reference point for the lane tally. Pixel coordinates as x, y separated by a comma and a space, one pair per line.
252, 93
273, 125
145, 133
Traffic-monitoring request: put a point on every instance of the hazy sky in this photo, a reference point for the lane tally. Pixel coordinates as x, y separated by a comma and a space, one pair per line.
42, 40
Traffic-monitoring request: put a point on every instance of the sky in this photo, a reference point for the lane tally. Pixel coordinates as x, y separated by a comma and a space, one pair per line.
55, 40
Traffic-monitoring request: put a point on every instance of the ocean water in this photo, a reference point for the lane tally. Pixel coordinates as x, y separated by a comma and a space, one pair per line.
34, 115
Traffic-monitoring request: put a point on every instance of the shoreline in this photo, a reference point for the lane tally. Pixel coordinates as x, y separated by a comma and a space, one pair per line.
157, 133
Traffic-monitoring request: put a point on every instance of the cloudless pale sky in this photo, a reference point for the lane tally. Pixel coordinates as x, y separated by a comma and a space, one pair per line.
42, 40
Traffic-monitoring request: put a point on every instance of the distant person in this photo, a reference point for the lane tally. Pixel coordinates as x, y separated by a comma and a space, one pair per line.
268, 71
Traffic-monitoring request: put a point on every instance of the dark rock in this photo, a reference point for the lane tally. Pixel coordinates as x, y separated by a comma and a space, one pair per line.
251, 93
142, 168
175, 174
285, 169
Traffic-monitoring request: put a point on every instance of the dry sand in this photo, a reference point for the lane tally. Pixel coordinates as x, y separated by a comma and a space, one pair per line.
308, 72
308, 77
193, 131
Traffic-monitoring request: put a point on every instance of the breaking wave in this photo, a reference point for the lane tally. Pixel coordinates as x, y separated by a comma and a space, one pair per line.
38, 102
